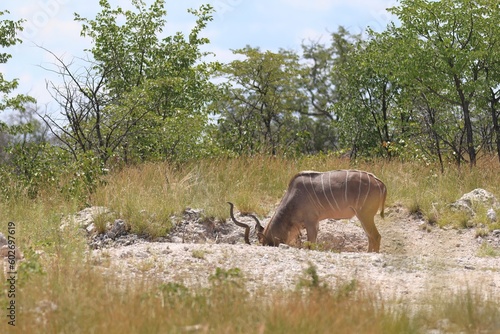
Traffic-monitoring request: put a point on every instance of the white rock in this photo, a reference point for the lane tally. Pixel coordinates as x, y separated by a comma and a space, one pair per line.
142, 255
176, 240
492, 215
478, 196
3, 240
91, 228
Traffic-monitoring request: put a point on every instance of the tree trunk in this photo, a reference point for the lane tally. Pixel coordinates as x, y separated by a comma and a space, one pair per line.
494, 117
469, 135
465, 105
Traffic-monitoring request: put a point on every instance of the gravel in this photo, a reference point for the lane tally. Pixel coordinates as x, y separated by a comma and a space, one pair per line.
416, 260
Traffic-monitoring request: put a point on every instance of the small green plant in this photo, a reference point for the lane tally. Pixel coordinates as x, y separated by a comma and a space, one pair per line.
173, 292
482, 232
346, 289
487, 250
223, 277
30, 266
313, 246
311, 279
223, 274
198, 254
102, 219
456, 219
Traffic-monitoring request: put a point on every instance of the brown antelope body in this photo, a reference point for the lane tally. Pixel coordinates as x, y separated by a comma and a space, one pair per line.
314, 196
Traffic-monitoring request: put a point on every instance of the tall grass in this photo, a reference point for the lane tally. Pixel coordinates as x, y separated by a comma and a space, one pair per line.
58, 292
152, 193
74, 297
148, 195
37, 222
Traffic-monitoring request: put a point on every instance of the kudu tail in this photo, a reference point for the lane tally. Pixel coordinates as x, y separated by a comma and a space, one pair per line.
382, 203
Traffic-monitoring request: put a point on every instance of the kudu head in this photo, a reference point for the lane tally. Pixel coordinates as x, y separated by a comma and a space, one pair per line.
258, 228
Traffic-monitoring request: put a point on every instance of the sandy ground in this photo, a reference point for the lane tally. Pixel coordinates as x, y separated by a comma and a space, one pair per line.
415, 261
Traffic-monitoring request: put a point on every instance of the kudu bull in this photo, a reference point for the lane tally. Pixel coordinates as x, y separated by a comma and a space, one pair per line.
314, 196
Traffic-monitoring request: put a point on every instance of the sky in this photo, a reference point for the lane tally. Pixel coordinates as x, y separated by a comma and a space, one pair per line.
267, 24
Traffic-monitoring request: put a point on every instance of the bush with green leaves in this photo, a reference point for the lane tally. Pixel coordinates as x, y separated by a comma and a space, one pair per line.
140, 96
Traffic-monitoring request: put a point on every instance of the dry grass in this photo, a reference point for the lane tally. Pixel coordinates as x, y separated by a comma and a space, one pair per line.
74, 297
148, 195
60, 293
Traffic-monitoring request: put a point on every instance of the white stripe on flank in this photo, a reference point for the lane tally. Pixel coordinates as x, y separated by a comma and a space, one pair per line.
324, 193
308, 192
345, 194
359, 188
315, 194
368, 191
380, 189
331, 191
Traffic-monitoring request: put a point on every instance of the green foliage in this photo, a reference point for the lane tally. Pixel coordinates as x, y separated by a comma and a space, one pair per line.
29, 267
30, 164
86, 175
311, 279
142, 97
425, 90
35, 166
322, 80
37, 169
8, 32
229, 277
487, 250
174, 294
260, 103
452, 45
366, 108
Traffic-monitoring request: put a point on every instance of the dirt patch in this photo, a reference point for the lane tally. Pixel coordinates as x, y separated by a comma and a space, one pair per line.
415, 259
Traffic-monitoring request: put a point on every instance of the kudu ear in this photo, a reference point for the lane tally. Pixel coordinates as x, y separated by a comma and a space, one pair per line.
258, 226
260, 230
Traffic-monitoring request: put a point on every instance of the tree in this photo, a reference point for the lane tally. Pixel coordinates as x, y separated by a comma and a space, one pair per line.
368, 117
31, 158
492, 78
322, 80
89, 124
262, 101
139, 97
450, 46
420, 125
8, 32
440, 132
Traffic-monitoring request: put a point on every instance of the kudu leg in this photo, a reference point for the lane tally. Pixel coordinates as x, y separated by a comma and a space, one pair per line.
368, 223
312, 228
